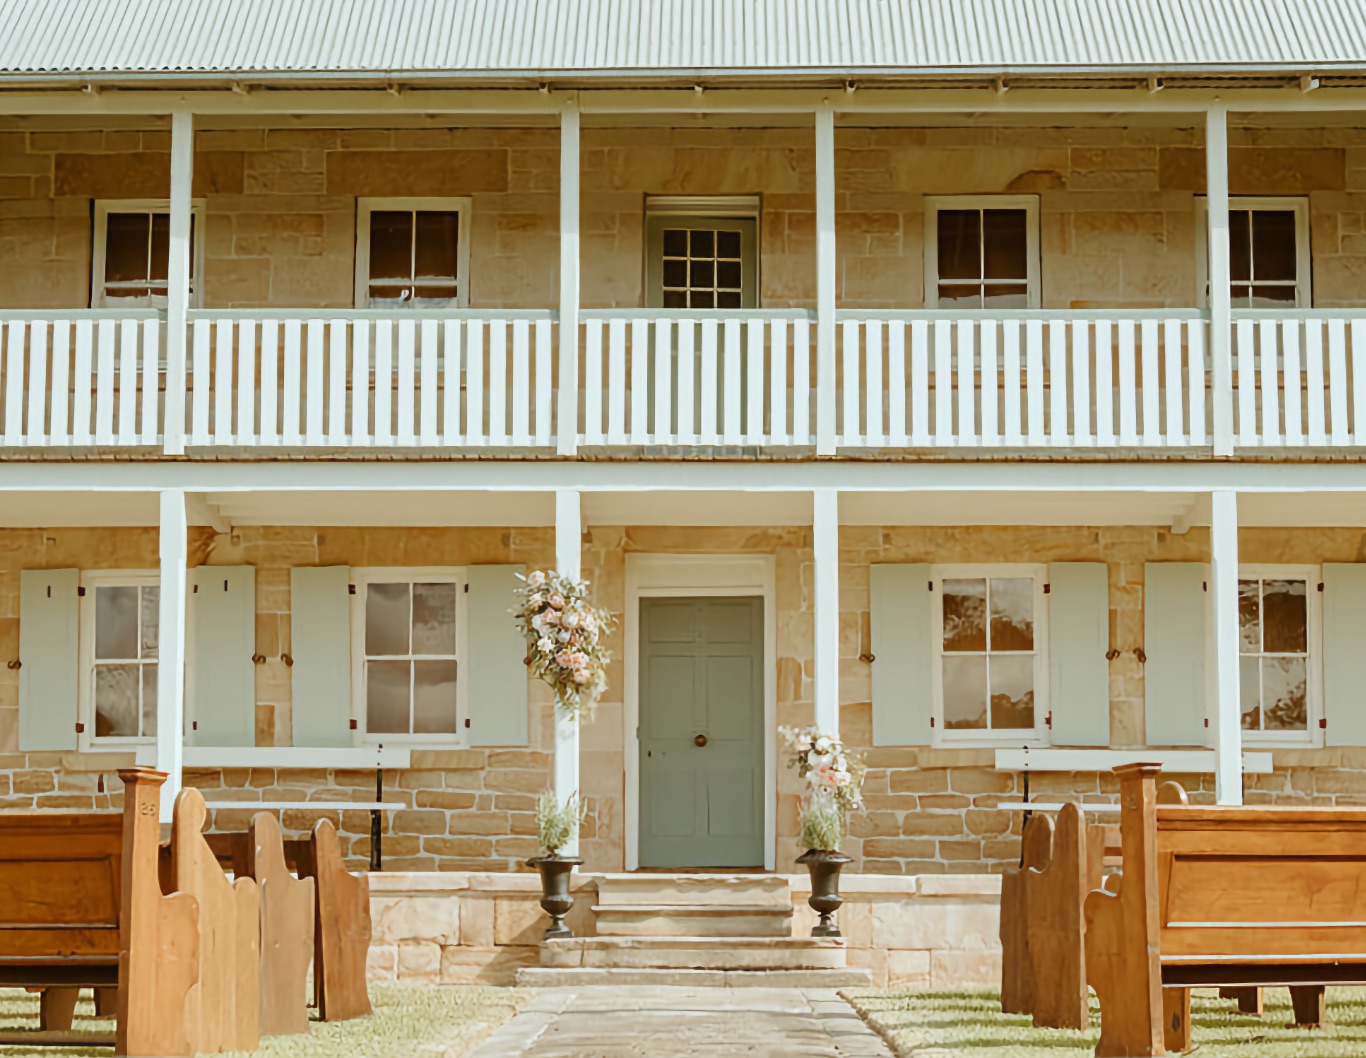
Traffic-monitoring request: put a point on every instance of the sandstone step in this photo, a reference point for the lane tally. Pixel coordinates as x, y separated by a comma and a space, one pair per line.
695, 953
702, 920
759, 890
552, 977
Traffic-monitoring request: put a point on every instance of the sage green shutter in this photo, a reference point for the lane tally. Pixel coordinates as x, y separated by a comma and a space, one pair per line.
49, 671
901, 617
223, 599
320, 641
1174, 634
496, 673
1344, 653
1078, 639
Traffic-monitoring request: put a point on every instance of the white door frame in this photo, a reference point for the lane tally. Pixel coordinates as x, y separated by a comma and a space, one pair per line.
662, 576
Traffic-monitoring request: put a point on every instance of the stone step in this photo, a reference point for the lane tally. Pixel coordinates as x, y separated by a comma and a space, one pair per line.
703, 920
759, 890
553, 977
695, 953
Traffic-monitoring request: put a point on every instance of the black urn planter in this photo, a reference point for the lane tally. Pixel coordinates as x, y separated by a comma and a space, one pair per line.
825, 897
556, 902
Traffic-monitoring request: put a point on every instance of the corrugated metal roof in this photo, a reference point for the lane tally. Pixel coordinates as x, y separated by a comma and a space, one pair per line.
591, 37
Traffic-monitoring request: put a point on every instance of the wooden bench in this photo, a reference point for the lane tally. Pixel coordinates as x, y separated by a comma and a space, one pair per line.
1221, 897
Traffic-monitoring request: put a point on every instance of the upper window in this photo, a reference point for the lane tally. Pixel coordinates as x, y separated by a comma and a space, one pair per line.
408, 628
1277, 630
1268, 251
981, 252
412, 253
132, 250
120, 614
702, 253
989, 676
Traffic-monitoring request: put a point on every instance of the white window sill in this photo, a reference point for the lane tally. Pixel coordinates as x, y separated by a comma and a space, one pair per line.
1176, 761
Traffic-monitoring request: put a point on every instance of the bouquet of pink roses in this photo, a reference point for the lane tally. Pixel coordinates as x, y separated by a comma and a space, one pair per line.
565, 634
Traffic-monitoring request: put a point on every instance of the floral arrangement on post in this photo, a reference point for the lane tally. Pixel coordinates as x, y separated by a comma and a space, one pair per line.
556, 824
564, 634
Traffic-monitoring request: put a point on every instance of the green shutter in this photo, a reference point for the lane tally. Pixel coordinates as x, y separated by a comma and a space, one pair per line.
223, 601
496, 684
1344, 659
49, 669
1174, 634
901, 618
1078, 638
320, 637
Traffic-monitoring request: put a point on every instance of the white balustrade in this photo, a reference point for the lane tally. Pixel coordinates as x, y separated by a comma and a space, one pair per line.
697, 378
80, 378
1032, 380
356, 380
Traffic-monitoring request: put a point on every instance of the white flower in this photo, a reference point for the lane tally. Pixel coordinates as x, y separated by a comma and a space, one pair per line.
823, 744
562, 636
556, 600
803, 744
537, 622
545, 644
581, 676
820, 760
535, 579
569, 619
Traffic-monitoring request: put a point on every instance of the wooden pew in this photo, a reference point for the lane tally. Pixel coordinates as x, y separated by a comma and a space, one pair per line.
341, 930
1227, 897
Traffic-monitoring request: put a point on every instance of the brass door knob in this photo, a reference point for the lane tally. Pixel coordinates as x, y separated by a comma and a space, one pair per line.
700, 741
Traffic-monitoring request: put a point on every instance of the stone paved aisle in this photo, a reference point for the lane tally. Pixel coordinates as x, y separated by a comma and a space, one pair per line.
659, 1022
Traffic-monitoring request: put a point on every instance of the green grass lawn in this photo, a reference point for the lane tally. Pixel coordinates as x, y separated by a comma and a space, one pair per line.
410, 1021
971, 1025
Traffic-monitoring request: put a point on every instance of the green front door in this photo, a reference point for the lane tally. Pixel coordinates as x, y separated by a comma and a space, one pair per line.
701, 732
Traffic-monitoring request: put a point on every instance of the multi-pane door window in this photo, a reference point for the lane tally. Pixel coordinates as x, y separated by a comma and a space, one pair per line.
981, 253
411, 662
699, 262
132, 252
1274, 643
121, 638
1265, 243
411, 253
990, 656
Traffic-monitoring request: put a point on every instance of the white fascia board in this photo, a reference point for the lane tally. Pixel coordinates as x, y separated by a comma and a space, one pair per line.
296, 757
1174, 761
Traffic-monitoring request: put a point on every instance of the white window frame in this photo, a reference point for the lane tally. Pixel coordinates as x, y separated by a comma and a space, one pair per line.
1304, 270
988, 738
1313, 734
701, 208
462, 205
106, 206
360, 579
91, 580
1028, 203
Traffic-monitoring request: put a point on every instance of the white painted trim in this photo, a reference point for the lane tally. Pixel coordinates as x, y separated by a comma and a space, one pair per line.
826, 300
567, 403
99, 246
369, 756
826, 574
172, 545
180, 253
1221, 314
569, 562
461, 206
1176, 761
1313, 736
1304, 261
1226, 709
1028, 203
663, 576
739, 207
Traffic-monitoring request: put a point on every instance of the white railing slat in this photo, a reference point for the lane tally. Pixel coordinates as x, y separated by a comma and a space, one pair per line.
222, 431
966, 432
315, 383
665, 429
896, 384
1010, 381
294, 384
1313, 382
1059, 430
920, 384
616, 383
1034, 382
452, 348
361, 434
853, 433
1175, 383
777, 393
875, 387
640, 381
731, 343
35, 429
708, 432
1271, 390
1245, 352
521, 393
496, 391
1103, 344
991, 431
687, 384
60, 426
593, 427
247, 386
127, 418
755, 354
14, 383
801, 382
1128, 385
106, 331
1339, 386
943, 383
270, 381
1195, 364
338, 370
545, 386
81, 382
1151, 383
429, 384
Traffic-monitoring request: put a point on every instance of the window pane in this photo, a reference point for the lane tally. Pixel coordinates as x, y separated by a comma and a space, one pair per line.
391, 246
116, 701
386, 619
1012, 614
116, 622
702, 243
703, 274
1005, 296
675, 273
675, 299
675, 242
1242, 297
701, 299
728, 244
960, 244
151, 619
149, 701
1284, 694
388, 295
1249, 616
965, 692
433, 618
438, 236
728, 299
1284, 611
965, 605
1269, 297
1005, 248
1239, 246
1012, 692
386, 697
728, 275
433, 296
434, 697
161, 248
1273, 245
125, 247
960, 297
1250, 692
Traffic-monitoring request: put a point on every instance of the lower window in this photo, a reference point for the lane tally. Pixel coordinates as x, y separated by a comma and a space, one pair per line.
120, 616
1277, 622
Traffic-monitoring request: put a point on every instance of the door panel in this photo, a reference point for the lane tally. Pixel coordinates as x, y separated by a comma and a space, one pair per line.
701, 680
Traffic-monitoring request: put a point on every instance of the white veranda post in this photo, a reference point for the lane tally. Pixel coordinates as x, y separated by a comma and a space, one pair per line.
171, 646
825, 281
567, 418
568, 561
1220, 290
178, 278
826, 574
1228, 733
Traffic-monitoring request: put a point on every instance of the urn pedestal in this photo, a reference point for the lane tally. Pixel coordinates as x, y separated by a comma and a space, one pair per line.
555, 899
825, 897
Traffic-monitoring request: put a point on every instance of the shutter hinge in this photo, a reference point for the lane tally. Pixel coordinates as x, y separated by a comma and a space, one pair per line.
1207, 721
80, 729
1047, 589
931, 721
80, 592
467, 721
1204, 585
353, 724
1320, 585
350, 589
467, 588
1323, 722
194, 590
225, 585
194, 725
1048, 720
929, 585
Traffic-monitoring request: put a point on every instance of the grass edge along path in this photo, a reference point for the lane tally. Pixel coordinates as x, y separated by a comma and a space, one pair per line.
410, 1021
969, 1024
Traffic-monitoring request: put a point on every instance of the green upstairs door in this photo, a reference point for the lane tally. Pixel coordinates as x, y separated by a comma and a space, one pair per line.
701, 732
